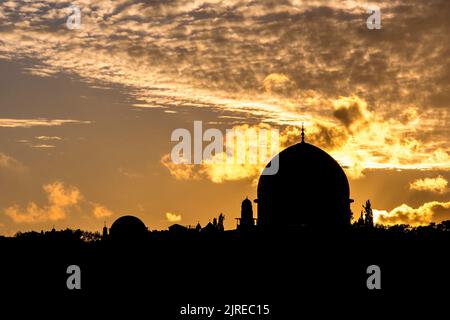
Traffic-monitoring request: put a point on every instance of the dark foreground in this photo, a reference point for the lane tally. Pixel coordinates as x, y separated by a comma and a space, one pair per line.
288, 274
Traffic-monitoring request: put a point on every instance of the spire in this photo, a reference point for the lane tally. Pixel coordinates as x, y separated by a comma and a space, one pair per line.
303, 133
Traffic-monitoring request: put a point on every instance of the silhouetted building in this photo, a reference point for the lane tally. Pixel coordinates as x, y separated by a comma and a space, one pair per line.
128, 228
246, 221
178, 228
210, 228
310, 188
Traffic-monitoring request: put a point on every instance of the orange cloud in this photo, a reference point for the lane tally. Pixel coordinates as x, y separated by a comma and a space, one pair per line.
60, 199
8, 162
101, 211
181, 171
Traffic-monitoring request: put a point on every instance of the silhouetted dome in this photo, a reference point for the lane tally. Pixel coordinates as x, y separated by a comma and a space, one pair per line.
128, 228
310, 188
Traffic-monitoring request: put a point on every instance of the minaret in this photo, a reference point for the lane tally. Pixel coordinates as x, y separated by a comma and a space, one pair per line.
246, 220
105, 232
303, 133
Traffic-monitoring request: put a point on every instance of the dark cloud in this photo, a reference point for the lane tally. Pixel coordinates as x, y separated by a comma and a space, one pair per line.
350, 114
329, 138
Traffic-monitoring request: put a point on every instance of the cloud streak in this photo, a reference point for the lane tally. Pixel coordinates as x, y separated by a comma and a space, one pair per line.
48, 138
40, 122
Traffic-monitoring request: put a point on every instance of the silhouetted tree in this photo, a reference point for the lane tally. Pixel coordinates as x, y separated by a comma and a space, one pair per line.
444, 226
368, 217
361, 221
88, 236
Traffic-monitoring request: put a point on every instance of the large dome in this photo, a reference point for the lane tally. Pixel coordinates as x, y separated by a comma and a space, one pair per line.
310, 188
128, 228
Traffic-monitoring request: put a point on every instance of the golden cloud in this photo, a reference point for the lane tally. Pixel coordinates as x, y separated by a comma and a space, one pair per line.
334, 139
101, 211
62, 196
8, 162
60, 199
245, 160
437, 185
383, 102
425, 214
362, 139
374, 142
181, 171
222, 171
277, 83
172, 217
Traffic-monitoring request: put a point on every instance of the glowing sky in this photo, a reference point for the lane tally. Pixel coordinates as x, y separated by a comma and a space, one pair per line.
86, 115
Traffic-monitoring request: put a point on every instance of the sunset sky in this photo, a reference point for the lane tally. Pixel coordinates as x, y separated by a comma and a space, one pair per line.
86, 115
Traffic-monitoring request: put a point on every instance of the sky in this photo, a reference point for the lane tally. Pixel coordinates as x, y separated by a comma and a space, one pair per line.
87, 114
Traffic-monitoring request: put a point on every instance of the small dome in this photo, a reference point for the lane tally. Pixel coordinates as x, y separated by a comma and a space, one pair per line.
310, 188
246, 202
128, 228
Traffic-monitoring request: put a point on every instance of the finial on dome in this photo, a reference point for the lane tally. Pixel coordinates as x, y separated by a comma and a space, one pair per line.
303, 133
